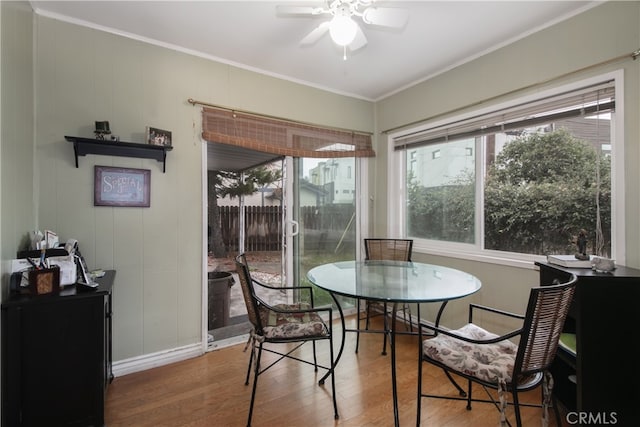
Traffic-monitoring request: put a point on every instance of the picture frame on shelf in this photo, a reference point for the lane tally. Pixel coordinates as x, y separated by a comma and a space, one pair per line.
155, 136
123, 187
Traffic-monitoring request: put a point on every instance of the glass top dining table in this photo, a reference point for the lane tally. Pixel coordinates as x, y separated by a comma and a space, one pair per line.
392, 282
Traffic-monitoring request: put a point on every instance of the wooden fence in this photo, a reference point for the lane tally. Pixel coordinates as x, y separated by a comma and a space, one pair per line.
264, 224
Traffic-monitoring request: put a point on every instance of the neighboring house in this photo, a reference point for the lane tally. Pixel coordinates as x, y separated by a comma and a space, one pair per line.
337, 177
439, 164
266, 196
310, 195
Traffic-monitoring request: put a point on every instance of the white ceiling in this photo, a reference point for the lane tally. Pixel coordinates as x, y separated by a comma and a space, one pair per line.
439, 35
249, 34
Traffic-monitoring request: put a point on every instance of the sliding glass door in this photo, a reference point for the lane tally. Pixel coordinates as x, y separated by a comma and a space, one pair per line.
324, 207
246, 215
302, 214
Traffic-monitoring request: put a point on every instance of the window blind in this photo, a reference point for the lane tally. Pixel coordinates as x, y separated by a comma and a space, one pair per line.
582, 102
282, 137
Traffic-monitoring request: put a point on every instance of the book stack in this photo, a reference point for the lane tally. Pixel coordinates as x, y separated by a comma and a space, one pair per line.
569, 261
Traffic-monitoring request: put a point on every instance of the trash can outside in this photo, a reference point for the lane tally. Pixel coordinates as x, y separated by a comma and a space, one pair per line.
219, 300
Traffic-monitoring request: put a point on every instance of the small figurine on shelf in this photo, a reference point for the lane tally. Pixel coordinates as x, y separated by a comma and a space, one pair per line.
581, 242
102, 129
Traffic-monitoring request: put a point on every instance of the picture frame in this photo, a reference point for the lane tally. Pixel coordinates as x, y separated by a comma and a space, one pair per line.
155, 136
123, 187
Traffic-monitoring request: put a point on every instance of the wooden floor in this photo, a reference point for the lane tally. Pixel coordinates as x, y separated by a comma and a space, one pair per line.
210, 391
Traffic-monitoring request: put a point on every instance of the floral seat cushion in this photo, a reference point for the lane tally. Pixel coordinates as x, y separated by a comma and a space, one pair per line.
489, 362
291, 324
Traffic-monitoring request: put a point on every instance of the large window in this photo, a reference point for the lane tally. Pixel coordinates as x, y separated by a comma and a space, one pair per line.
521, 179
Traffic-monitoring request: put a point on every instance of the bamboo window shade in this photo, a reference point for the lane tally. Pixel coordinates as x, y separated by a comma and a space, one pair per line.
282, 137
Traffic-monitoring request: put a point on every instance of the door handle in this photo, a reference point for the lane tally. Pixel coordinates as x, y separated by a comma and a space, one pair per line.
295, 228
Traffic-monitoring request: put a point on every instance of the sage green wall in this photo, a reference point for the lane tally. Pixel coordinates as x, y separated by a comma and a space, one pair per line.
597, 35
17, 206
83, 75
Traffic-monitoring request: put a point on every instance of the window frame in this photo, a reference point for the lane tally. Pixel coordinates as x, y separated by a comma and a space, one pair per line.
397, 191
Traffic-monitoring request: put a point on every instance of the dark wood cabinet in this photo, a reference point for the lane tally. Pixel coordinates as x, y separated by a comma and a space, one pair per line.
599, 383
56, 356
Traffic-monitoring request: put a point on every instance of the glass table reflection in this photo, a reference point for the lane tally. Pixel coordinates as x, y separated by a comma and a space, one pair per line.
392, 282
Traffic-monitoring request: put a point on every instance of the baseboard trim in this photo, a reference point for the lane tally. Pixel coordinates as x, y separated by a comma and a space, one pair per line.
161, 358
154, 360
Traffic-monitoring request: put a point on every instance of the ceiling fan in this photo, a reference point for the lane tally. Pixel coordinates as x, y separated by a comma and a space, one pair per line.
342, 27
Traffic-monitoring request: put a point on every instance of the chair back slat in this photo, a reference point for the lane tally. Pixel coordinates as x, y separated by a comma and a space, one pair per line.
248, 292
388, 249
546, 312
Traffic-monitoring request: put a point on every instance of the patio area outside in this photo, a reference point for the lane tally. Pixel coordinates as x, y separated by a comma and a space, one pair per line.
265, 267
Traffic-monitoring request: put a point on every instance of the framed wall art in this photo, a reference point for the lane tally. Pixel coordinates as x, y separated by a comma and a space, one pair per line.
122, 187
157, 136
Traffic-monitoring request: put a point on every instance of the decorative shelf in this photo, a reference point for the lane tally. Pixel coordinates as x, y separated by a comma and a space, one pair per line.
84, 146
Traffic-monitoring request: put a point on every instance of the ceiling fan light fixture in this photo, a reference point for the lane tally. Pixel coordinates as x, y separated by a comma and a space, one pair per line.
343, 30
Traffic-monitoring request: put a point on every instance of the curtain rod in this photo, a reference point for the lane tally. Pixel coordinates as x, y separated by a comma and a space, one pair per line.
250, 113
632, 55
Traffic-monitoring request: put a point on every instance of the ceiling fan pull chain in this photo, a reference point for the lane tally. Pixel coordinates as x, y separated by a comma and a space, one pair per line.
344, 53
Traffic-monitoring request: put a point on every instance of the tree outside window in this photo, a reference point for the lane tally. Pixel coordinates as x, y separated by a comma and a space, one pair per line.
542, 186
542, 190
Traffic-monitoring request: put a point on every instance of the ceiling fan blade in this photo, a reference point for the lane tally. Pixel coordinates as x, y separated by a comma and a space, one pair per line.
386, 16
315, 35
359, 41
299, 10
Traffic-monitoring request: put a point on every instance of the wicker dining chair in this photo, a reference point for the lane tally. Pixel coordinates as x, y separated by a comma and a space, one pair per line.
496, 362
297, 323
391, 250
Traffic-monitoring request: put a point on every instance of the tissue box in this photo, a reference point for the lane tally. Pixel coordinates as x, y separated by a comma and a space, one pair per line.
603, 264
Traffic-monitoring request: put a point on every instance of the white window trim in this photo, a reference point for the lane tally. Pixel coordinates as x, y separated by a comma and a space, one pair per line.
362, 206
396, 189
